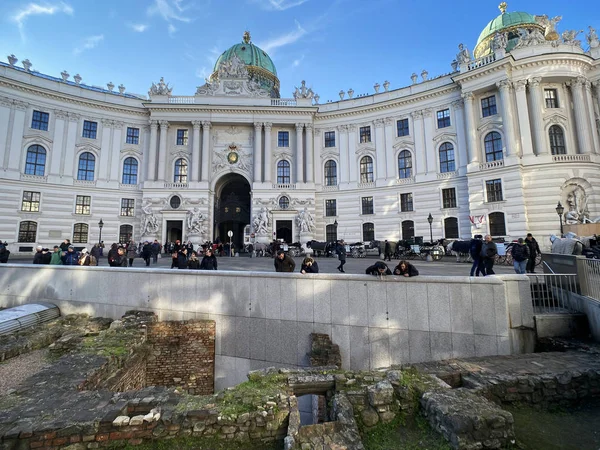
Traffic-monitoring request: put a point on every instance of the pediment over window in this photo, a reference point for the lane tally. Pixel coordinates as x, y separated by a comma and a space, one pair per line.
87, 146
365, 149
131, 150
404, 143
445, 137
37, 139
556, 119
489, 126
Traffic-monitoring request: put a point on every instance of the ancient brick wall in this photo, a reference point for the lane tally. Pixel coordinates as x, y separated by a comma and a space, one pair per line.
183, 355
131, 377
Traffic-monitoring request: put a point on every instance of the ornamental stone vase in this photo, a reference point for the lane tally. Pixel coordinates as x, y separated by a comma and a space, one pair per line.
26, 64
121, 89
342, 94
386, 85
376, 86
12, 60
350, 93
110, 86
77, 79
414, 77
65, 75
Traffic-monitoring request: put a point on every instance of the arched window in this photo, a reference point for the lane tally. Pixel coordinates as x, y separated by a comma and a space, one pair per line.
283, 172
284, 202
36, 161
130, 171
125, 233
368, 231
181, 170
497, 224
366, 169
404, 164
80, 233
27, 231
557, 140
451, 228
447, 163
330, 233
331, 173
87, 164
493, 147
408, 230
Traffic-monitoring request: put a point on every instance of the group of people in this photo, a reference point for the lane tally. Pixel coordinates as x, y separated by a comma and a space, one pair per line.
66, 255
484, 251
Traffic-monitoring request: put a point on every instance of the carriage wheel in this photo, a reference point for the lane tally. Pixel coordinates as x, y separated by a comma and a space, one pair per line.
260, 253
355, 253
437, 253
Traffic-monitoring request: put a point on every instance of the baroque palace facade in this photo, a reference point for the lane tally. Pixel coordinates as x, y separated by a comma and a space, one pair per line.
491, 147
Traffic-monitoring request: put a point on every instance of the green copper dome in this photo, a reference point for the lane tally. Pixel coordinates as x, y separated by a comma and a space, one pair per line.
259, 64
507, 22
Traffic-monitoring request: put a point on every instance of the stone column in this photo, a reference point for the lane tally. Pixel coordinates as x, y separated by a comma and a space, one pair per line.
524, 125
353, 164
429, 148
16, 142
196, 151
115, 151
417, 118
5, 114
162, 152
459, 120
591, 115
317, 146
205, 150
581, 119
309, 153
471, 125
299, 153
60, 134
539, 136
344, 163
268, 157
69, 153
380, 164
152, 150
508, 111
257, 152
390, 156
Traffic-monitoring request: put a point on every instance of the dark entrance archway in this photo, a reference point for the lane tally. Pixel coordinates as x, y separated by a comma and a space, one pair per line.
232, 208
284, 230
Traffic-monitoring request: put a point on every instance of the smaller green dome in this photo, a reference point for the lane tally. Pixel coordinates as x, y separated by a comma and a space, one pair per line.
250, 54
505, 20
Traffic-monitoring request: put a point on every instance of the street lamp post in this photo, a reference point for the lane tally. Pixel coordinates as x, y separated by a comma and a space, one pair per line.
100, 225
335, 224
430, 220
560, 209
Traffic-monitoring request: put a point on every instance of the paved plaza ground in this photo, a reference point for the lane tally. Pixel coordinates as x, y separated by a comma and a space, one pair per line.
445, 267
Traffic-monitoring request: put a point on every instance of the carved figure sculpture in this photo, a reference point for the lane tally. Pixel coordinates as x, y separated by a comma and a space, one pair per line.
569, 37
303, 91
195, 222
549, 25
149, 220
161, 88
463, 56
592, 38
528, 38
233, 68
261, 222
577, 203
305, 221
499, 42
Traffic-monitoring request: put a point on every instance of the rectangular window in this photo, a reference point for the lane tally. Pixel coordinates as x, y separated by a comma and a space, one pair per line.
330, 208
365, 134
127, 207
90, 129
449, 198
443, 118
494, 190
182, 137
82, 204
283, 139
31, 201
551, 98
39, 120
488, 106
330, 139
133, 136
406, 202
80, 233
402, 126
367, 205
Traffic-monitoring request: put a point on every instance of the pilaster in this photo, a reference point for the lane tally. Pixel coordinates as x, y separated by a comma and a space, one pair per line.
380, 149
391, 162
535, 94
417, 117
310, 170
593, 130
524, 125
258, 152
459, 120
299, 153
152, 150
508, 113
16, 142
581, 119
268, 155
162, 151
196, 124
344, 162
471, 125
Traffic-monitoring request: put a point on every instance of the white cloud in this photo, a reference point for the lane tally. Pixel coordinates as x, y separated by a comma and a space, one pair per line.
138, 27
88, 44
284, 39
203, 73
297, 61
169, 10
279, 5
35, 9
171, 28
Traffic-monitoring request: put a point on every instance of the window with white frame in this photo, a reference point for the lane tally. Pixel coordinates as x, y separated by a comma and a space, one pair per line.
133, 136
182, 137
86, 167
404, 164
493, 189
497, 224
90, 129
30, 201
443, 118
35, 163
406, 202
130, 171
283, 172
39, 120
283, 139
83, 204
488, 106
449, 198
551, 97
27, 231
493, 147
447, 163
557, 140
331, 173
330, 207
330, 139
80, 233
365, 134
127, 207
181, 171
366, 205
366, 169
402, 128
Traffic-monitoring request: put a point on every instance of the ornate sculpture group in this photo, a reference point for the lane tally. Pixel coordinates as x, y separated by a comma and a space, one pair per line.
260, 223
161, 88
305, 221
303, 91
578, 212
195, 222
149, 221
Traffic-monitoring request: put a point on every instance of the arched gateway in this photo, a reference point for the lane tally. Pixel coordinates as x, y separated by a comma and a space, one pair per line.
232, 208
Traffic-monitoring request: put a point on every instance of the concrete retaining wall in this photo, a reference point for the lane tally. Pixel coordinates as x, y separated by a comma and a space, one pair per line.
265, 319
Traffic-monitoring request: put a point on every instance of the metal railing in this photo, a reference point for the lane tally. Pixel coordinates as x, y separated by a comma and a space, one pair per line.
551, 292
590, 278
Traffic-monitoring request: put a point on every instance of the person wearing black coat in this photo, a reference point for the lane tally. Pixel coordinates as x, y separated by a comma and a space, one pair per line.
37, 258
406, 269
534, 250
193, 263
209, 262
378, 269
4, 253
147, 253
182, 258
340, 248
283, 262
309, 265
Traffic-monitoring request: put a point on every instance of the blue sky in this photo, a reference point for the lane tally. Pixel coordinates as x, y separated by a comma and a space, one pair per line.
332, 44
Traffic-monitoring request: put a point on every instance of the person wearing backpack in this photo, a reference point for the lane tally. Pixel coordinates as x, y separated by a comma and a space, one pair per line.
520, 255
4, 253
488, 254
475, 252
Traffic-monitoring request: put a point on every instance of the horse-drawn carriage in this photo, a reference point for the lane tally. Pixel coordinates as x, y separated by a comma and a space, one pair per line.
321, 248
